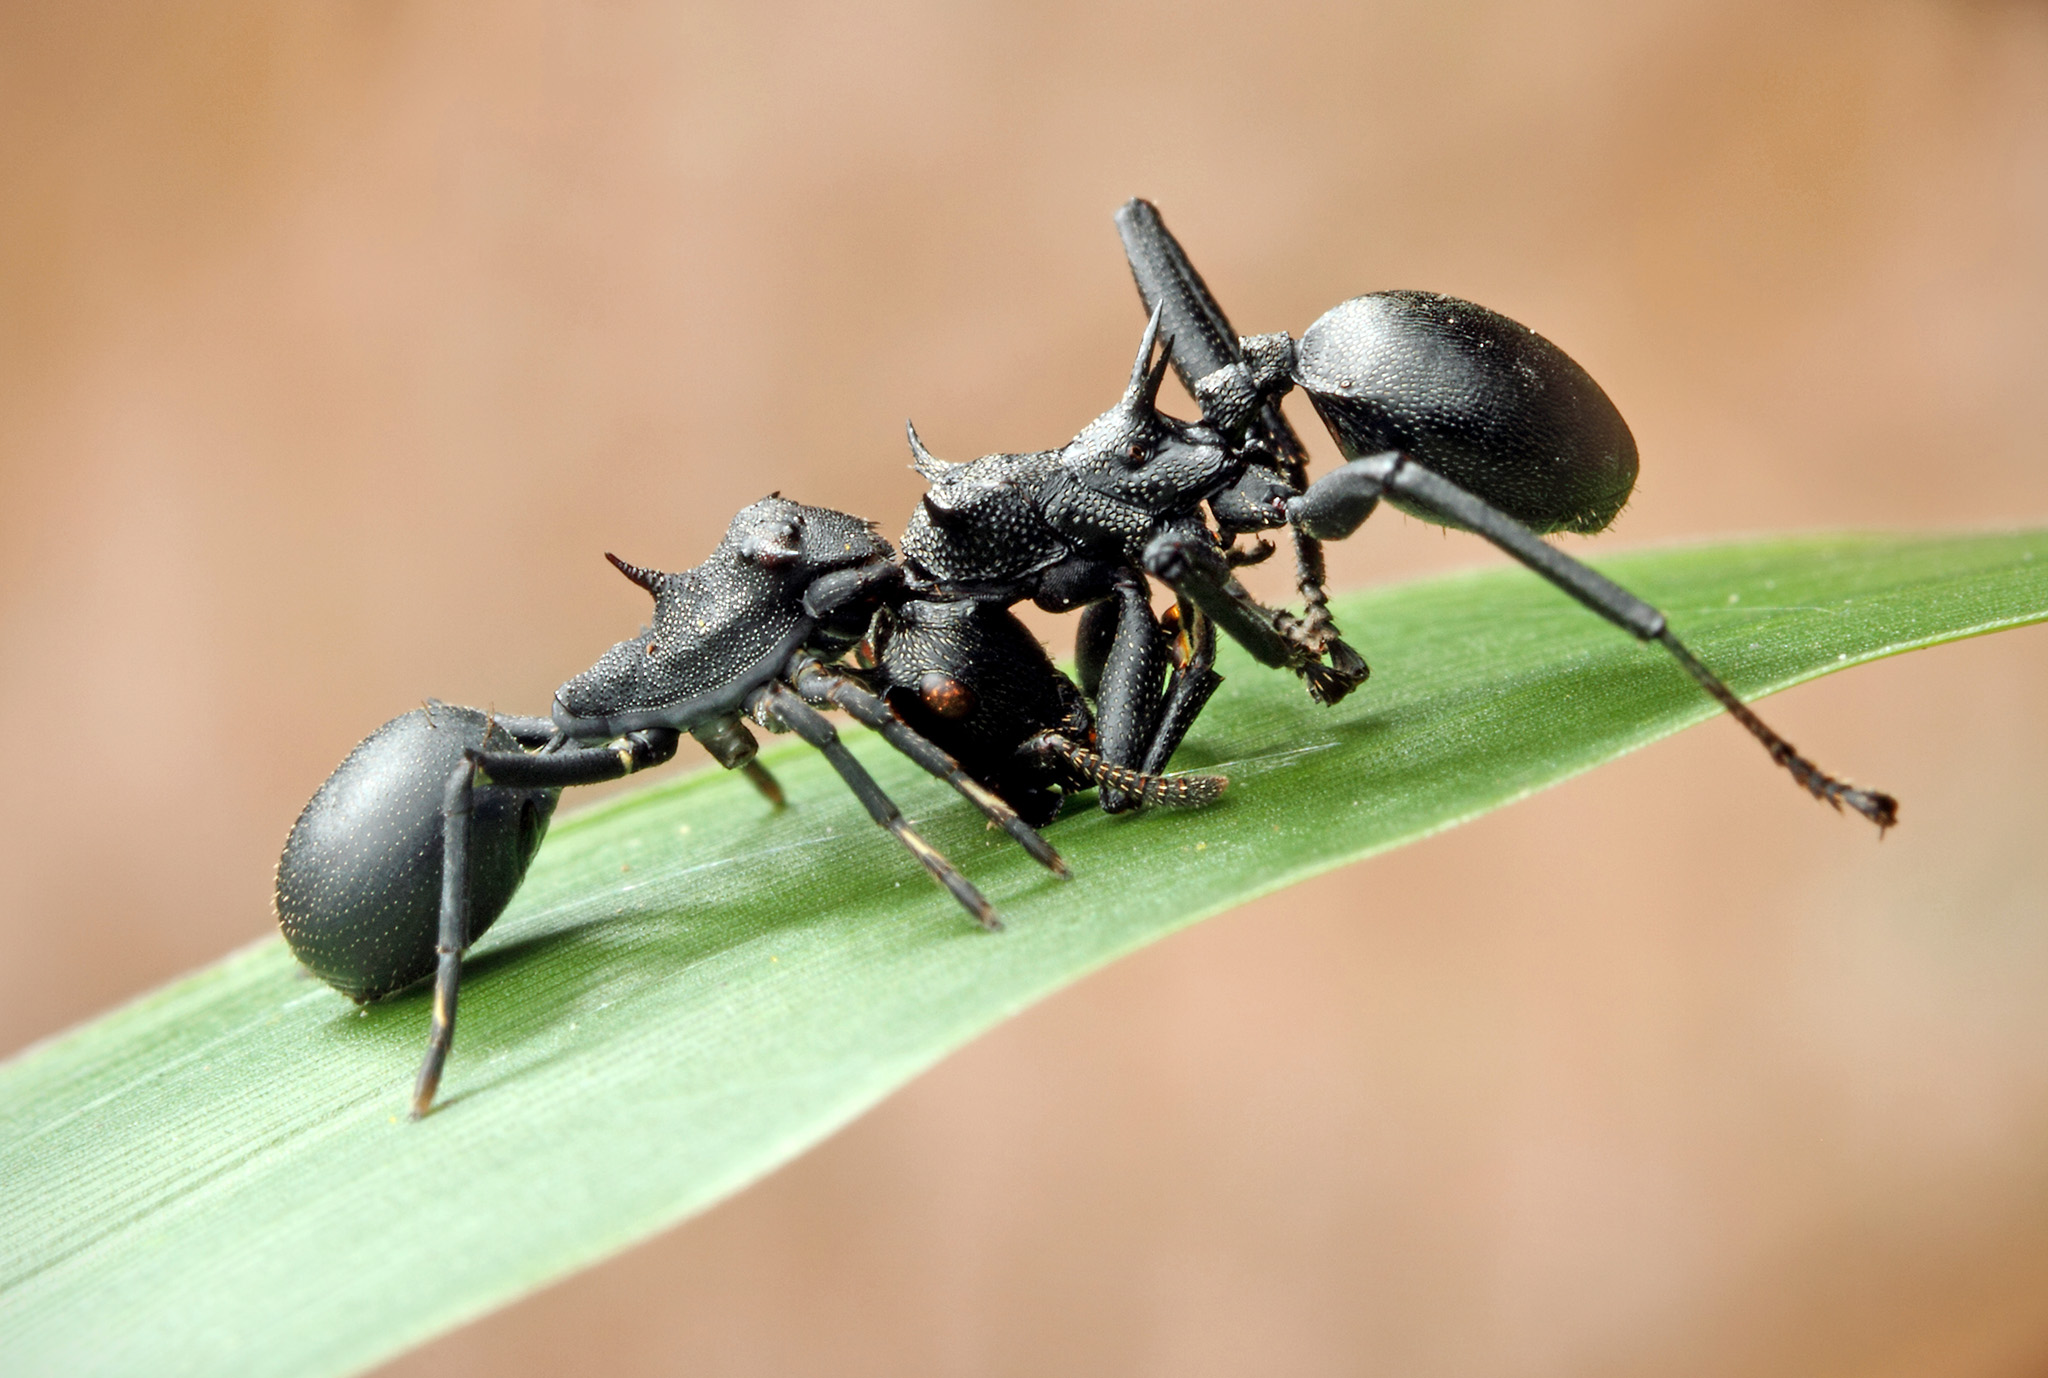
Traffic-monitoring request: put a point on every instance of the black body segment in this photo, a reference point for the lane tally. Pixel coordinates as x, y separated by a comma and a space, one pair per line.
980, 525
974, 681
1486, 403
359, 884
1071, 528
993, 527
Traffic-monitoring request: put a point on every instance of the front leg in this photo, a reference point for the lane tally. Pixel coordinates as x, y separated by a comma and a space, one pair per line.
1194, 679
1238, 382
821, 686
1189, 563
1130, 691
1108, 631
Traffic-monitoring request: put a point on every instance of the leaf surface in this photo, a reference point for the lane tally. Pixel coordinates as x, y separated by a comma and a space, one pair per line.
690, 990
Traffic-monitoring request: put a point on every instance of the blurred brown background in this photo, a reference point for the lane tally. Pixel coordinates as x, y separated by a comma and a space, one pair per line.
340, 340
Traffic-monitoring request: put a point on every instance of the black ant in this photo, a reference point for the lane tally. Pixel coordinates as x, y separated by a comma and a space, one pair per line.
1446, 410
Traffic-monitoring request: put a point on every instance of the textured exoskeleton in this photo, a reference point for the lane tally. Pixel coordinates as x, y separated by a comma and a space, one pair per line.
1072, 527
437, 813
1450, 412
972, 678
1481, 401
1447, 410
359, 884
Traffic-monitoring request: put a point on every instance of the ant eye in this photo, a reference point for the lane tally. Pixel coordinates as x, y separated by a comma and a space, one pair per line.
1135, 454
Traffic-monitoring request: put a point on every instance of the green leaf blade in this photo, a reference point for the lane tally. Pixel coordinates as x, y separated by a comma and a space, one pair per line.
691, 990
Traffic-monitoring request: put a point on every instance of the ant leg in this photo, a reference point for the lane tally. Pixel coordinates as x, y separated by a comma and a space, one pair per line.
1092, 640
531, 732
775, 700
1344, 496
1189, 563
1131, 692
1186, 790
733, 747
1168, 283
1194, 680
1317, 627
587, 766
456, 801
1203, 343
1244, 404
822, 686
763, 780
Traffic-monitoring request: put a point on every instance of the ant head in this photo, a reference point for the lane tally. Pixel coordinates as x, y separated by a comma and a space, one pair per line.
797, 543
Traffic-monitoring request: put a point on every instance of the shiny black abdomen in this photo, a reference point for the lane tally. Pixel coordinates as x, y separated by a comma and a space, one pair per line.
1487, 403
359, 884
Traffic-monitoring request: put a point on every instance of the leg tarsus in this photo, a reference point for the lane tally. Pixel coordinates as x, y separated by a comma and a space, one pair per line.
1875, 805
440, 1034
1190, 564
